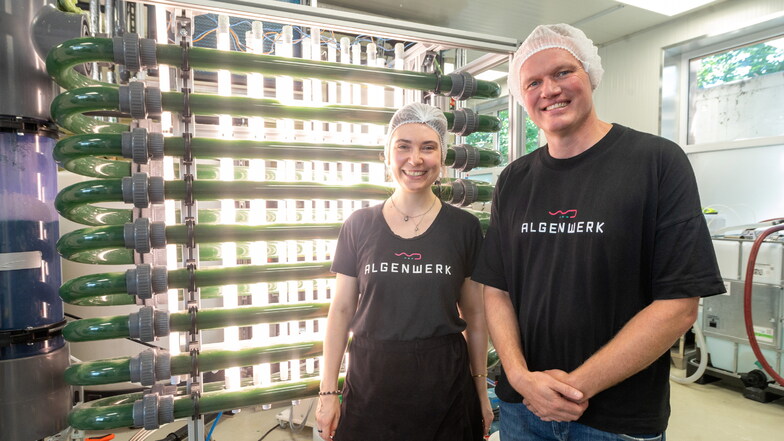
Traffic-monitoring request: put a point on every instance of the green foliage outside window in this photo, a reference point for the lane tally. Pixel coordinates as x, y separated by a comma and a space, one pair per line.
742, 63
500, 140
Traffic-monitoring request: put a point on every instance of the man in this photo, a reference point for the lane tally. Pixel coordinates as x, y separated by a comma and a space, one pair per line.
594, 262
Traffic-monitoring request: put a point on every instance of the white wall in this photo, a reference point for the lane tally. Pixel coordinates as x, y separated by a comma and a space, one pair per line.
629, 93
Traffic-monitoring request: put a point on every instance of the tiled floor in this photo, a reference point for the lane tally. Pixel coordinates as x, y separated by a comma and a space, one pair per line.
713, 412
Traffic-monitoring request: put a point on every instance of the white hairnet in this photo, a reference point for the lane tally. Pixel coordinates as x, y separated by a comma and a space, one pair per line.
419, 113
561, 36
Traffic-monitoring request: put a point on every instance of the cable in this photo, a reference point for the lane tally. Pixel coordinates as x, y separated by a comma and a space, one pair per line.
214, 423
298, 428
269, 431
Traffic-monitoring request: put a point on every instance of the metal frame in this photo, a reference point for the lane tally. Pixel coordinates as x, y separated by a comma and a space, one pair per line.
350, 22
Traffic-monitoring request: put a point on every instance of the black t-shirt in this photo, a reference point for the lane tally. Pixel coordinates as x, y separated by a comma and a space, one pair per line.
409, 288
583, 244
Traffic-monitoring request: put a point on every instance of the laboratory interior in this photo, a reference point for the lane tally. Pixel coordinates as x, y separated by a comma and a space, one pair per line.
174, 175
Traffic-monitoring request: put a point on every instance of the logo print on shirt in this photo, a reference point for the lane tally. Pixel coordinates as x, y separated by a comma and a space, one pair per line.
563, 225
412, 256
567, 214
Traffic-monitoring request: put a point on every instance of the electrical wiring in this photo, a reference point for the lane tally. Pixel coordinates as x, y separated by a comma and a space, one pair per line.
272, 429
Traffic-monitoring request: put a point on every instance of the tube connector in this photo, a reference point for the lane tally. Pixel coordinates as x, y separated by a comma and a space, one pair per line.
144, 236
148, 323
146, 280
160, 275
463, 85
142, 190
466, 157
466, 122
150, 366
140, 145
464, 192
153, 410
133, 52
139, 101
138, 281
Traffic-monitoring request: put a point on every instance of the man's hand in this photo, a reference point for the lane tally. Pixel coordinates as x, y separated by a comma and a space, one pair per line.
548, 397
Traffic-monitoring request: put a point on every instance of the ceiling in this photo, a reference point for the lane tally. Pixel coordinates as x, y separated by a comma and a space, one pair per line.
602, 20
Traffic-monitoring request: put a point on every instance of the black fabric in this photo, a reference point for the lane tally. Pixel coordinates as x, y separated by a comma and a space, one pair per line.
419, 390
409, 288
583, 244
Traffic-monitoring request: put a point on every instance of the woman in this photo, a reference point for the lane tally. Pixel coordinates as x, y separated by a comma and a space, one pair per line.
419, 347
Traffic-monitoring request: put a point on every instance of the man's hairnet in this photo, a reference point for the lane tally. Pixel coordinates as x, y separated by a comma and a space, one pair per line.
561, 36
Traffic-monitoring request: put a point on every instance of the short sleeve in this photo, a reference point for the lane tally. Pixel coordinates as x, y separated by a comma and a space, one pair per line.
345, 259
684, 262
474, 241
489, 268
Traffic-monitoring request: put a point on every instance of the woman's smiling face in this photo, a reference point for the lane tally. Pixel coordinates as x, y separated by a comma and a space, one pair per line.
415, 157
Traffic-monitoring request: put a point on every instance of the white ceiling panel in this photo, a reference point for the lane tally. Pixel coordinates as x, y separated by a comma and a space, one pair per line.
602, 20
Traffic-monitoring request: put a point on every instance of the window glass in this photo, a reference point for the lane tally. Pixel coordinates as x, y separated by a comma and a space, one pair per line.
732, 94
500, 141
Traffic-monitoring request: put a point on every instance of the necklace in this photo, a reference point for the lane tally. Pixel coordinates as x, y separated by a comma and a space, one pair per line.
407, 217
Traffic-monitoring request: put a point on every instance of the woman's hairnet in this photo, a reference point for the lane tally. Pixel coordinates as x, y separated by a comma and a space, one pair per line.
561, 36
419, 113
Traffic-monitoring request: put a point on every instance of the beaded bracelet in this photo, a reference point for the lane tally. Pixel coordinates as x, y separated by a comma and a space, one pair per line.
331, 392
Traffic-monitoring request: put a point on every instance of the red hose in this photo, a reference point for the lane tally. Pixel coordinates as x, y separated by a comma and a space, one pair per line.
747, 303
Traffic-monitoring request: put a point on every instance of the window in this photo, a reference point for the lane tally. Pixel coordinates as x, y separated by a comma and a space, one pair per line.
720, 100
500, 141
729, 90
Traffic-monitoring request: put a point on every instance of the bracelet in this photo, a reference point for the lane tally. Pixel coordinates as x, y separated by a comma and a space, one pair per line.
479, 375
331, 392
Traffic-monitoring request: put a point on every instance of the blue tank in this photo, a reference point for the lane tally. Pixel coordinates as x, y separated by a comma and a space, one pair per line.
29, 229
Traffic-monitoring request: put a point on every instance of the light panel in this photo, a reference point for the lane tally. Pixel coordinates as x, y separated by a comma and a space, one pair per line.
667, 7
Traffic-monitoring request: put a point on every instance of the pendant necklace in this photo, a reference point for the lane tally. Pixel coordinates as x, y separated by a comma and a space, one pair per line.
407, 217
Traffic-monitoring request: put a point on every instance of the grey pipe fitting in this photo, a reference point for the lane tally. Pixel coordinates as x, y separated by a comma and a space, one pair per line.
150, 366
50, 27
142, 190
135, 145
140, 102
148, 55
463, 85
146, 280
148, 323
141, 368
155, 144
137, 235
133, 52
143, 235
464, 192
135, 190
160, 275
465, 122
466, 157
471, 192
458, 192
153, 410
138, 281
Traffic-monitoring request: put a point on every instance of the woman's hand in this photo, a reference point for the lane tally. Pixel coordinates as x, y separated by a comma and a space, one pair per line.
487, 413
327, 416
